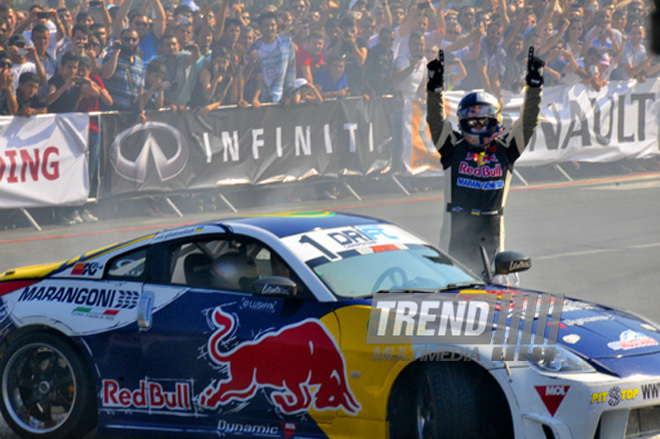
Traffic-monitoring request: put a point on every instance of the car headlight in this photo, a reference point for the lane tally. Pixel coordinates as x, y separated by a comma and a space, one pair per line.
564, 361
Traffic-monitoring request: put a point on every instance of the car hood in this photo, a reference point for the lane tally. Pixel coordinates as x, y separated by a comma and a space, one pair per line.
31, 272
599, 332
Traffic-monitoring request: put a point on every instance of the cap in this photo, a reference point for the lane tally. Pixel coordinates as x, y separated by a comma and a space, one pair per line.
298, 82
191, 4
16, 39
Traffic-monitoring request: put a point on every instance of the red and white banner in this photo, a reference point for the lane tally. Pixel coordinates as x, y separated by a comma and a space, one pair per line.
43, 160
577, 124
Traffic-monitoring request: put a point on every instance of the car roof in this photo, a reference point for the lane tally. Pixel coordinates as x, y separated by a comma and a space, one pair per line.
292, 223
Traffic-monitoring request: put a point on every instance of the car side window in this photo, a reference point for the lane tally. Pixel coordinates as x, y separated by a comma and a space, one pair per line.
130, 266
225, 264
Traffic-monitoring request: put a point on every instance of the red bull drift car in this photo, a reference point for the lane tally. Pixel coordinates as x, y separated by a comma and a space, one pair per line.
258, 327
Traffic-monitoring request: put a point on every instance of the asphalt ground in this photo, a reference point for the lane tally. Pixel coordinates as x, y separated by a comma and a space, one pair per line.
596, 238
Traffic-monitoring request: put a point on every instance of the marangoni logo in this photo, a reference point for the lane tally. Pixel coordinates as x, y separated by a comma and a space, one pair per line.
267, 363
122, 299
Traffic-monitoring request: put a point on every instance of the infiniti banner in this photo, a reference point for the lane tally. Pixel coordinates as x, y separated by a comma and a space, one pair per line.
273, 144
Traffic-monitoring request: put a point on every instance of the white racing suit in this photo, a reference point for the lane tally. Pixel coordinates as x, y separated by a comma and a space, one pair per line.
477, 180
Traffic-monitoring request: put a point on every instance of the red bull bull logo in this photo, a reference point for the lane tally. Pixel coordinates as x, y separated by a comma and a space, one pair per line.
301, 363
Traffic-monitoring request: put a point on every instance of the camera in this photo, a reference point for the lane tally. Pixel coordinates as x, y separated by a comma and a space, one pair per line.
22, 51
95, 4
79, 82
43, 15
425, 5
184, 20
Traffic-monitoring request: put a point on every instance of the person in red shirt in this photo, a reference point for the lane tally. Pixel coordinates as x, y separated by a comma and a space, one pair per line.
310, 57
93, 90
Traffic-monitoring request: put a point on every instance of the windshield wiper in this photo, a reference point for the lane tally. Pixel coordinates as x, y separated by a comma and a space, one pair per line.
397, 291
457, 285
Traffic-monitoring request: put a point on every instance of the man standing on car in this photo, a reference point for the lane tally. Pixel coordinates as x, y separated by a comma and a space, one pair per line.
478, 161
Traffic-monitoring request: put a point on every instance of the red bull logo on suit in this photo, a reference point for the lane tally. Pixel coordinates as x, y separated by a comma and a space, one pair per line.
301, 364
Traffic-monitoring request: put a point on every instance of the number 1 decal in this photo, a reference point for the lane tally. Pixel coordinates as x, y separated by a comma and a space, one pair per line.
307, 240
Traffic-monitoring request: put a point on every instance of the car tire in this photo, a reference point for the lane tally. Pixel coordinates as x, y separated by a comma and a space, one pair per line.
447, 403
436, 400
47, 389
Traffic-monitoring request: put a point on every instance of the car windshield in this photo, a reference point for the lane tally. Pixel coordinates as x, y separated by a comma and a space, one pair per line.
414, 267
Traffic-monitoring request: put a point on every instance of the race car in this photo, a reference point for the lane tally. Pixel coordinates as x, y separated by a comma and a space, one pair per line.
281, 326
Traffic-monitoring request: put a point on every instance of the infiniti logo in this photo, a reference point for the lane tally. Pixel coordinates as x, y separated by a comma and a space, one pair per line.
157, 134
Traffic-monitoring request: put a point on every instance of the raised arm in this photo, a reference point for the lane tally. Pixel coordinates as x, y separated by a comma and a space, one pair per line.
118, 22
523, 129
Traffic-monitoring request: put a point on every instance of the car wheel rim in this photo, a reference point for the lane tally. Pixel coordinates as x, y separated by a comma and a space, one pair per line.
425, 413
38, 388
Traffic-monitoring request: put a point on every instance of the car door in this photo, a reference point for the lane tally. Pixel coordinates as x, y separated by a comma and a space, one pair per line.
223, 359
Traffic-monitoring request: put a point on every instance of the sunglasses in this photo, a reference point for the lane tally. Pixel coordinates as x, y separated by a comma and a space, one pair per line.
130, 40
142, 24
5, 65
483, 121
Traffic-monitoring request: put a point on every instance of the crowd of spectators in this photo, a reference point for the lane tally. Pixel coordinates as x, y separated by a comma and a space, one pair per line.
137, 55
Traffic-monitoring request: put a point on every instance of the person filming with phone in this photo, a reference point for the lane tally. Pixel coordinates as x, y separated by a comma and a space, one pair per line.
478, 161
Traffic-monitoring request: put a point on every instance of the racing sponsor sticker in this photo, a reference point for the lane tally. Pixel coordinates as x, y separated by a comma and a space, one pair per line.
337, 243
87, 269
250, 430
584, 320
552, 396
571, 338
614, 395
289, 428
151, 394
650, 391
630, 339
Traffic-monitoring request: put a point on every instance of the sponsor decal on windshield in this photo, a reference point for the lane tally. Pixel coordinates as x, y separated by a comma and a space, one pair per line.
341, 242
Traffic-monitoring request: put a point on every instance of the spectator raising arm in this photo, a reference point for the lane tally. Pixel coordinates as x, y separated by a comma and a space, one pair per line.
8, 104
118, 22
158, 26
220, 21
110, 63
105, 17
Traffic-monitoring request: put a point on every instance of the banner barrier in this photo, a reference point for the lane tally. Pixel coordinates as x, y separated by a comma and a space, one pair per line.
43, 160
577, 124
272, 144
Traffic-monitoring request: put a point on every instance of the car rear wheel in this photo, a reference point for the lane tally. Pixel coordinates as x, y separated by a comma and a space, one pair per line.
47, 391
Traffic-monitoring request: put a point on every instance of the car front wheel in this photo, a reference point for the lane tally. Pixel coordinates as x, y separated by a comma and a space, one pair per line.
446, 403
47, 391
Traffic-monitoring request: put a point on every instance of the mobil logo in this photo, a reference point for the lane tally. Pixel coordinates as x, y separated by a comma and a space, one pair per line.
300, 364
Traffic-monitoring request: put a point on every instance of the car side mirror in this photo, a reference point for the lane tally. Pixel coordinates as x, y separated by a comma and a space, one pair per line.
274, 286
511, 262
